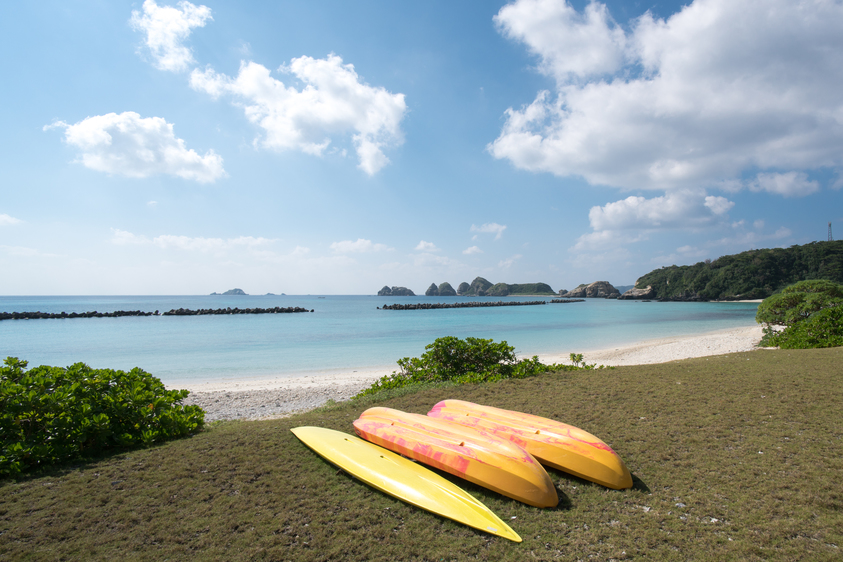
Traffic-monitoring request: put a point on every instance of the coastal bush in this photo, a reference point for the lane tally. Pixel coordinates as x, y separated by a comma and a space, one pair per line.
472, 360
811, 313
822, 329
50, 415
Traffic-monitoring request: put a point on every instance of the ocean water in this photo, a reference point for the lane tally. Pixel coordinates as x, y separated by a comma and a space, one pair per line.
343, 333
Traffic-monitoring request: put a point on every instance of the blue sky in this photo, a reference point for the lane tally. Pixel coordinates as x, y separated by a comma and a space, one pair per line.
336, 147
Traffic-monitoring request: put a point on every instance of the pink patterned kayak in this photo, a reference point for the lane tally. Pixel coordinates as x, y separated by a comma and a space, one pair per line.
486, 460
553, 443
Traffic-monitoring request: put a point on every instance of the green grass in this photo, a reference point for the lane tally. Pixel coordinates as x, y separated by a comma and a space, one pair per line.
735, 457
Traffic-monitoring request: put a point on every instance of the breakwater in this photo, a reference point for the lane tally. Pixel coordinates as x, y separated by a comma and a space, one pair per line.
480, 304
38, 315
565, 301
204, 311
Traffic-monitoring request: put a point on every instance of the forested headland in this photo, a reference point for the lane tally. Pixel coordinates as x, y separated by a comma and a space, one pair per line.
755, 274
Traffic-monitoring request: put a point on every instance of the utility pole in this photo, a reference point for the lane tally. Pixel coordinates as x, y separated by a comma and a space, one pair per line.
830, 238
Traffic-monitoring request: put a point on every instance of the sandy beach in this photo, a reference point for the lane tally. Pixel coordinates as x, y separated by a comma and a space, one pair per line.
272, 398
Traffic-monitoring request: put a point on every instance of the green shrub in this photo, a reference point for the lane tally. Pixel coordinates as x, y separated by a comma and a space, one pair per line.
822, 329
799, 301
51, 415
811, 312
472, 360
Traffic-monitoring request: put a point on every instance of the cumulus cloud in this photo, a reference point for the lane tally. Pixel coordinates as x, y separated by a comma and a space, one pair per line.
360, 246
629, 220
333, 102
673, 210
569, 44
490, 228
138, 147
791, 184
472, 250
426, 247
6, 220
716, 89
166, 28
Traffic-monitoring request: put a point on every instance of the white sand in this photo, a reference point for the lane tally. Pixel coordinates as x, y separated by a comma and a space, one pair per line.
670, 349
279, 397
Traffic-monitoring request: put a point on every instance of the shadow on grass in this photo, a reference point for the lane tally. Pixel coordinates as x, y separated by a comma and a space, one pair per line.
640, 485
637, 483
84, 462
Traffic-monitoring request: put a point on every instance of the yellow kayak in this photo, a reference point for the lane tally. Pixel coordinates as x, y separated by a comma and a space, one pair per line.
553, 443
403, 479
486, 460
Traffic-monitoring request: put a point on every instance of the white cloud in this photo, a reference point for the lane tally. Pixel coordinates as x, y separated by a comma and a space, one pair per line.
152, 204
432, 260
334, 102
123, 238
758, 225
507, 263
426, 247
187, 243
721, 87
569, 44
360, 246
791, 184
630, 220
472, 250
606, 239
24, 252
166, 28
489, 228
676, 209
138, 147
6, 220
752, 239
200, 244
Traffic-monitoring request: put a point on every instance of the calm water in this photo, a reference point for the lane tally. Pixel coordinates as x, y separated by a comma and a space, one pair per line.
344, 332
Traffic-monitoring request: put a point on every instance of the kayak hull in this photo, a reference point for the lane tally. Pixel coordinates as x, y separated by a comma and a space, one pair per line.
402, 479
486, 460
552, 443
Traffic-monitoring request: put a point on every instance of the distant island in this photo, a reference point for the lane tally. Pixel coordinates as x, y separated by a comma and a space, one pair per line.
230, 292
395, 292
481, 287
755, 274
596, 290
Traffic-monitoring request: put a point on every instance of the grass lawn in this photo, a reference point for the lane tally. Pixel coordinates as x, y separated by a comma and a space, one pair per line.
735, 457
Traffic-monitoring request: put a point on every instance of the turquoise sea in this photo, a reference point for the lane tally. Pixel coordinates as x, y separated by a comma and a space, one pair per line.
344, 333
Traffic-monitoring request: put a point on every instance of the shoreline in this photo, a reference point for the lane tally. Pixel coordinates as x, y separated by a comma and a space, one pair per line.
253, 399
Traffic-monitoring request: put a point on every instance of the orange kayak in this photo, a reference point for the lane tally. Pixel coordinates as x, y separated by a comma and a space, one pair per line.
486, 460
553, 443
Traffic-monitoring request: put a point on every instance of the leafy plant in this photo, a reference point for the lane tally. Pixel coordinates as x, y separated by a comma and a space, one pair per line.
50, 415
822, 329
811, 313
472, 360
799, 301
